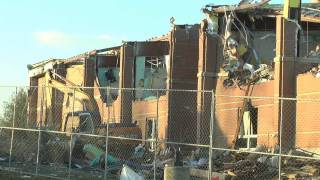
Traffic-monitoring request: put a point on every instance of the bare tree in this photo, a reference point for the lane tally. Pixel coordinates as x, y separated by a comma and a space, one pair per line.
15, 109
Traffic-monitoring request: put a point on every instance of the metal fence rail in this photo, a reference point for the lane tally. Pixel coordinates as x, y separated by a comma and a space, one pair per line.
71, 135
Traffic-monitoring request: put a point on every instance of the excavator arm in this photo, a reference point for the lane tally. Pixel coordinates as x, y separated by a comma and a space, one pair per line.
71, 89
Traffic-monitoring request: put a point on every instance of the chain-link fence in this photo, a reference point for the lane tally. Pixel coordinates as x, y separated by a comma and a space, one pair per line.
106, 133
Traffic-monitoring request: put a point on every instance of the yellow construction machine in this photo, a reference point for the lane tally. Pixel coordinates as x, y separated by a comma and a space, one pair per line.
88, 119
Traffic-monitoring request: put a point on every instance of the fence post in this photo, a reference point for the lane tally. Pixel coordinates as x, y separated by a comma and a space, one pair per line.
106, 156
38, 150
70, 155
280, 137
211, 134
156, 138
71, 134
13, 125
107, 138
44, 96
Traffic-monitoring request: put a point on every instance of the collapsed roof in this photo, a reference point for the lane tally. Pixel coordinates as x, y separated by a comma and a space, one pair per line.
310, 12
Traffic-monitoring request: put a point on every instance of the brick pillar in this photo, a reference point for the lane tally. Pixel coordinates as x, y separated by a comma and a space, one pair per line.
126, 81
285, 79
184, 55
207, 78
89, 74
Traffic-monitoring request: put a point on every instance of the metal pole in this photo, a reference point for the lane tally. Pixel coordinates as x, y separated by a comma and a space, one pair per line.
106, 156
280, 137
156, 139
38, 151
70, 156
211, 134
102, 120
107, 139
13, 125
39, 133
70, 145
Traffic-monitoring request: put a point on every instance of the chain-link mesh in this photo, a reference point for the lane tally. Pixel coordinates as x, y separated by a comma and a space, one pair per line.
54, 152
73, 133
24, 150
299, 137
5, 144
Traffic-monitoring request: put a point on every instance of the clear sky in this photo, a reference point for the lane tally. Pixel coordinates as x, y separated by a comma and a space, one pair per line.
35, 30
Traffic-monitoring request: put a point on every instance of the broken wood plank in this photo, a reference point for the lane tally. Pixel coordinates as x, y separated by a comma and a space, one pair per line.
240, 7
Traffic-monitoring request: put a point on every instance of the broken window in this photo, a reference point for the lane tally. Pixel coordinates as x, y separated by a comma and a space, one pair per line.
309, 40
108, 76
150, 73
151, 131
249, 128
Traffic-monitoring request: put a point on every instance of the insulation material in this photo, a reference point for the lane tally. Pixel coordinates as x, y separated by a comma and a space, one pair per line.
140, 76
212, 24
128, 174
167, 61
147, 82
159, 79
140, 68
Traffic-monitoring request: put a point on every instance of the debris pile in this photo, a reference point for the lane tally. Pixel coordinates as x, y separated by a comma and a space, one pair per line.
241, 59
316, 71
315, 52
238, 53
90, 157
241, 165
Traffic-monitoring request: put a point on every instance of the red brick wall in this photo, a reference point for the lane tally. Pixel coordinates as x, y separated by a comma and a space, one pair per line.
148, 109
226, 108
308, 112
226, 113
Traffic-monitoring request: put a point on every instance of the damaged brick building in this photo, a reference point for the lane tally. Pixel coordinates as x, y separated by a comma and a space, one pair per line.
170, 62
193, 57
274, 40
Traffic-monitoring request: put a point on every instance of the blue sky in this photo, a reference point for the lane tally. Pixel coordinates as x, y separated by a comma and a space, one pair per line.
35, 30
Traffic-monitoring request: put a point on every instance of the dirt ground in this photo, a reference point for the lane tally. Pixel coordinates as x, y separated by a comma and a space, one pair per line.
8, 175
19, 176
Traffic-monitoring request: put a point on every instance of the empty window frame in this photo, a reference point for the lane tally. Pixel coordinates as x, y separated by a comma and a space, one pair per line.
150, 73
249, 129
